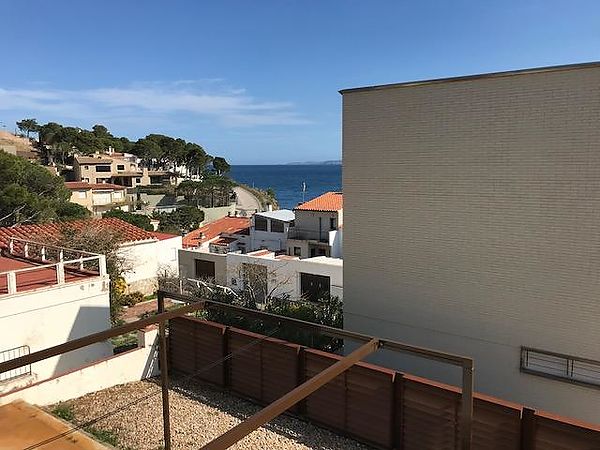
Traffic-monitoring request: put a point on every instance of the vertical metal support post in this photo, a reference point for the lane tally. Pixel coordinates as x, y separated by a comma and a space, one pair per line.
466, 413
164, 375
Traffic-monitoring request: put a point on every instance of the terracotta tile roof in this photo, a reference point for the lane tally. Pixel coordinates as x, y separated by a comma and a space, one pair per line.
162, 236
52, 231
224, 241
231, 225
93, 160
78, 185
329, 201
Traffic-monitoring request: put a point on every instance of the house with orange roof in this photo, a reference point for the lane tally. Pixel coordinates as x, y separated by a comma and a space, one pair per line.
317, 229
145, 253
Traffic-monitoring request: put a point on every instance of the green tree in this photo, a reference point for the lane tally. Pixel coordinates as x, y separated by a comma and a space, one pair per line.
139, 220
30, 193
220, 165
28, 126
181, 221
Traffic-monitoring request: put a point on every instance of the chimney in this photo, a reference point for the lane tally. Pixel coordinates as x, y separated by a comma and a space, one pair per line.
269, 207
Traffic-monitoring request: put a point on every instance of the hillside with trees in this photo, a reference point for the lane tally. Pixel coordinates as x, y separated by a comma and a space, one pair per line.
29, 193
157, 151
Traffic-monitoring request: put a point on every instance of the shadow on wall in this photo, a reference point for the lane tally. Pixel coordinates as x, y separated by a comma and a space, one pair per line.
89, 320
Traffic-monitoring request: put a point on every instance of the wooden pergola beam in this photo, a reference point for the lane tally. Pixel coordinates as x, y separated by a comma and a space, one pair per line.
282, 404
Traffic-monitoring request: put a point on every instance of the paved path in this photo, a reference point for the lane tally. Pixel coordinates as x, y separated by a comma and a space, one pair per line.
247, 203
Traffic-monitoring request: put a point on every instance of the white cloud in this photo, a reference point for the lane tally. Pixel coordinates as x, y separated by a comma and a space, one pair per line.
208, 99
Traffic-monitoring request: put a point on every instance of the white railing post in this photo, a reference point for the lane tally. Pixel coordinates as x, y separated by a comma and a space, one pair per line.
11, 246
43, 253
61, 255
26, 249
11, 281
60, 273
81, 262
102, 265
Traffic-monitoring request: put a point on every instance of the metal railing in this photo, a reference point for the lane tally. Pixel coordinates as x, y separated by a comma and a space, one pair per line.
12, 353
59, 259
309, 235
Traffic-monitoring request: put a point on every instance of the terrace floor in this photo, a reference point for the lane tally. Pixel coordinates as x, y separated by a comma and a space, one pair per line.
199, 413
33, 279
24, 426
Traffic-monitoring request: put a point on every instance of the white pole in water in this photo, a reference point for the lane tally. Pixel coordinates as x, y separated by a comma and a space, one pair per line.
303, 190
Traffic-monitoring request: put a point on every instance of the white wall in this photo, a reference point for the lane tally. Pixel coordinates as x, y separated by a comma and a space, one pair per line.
285, 273
53, 315
133, 365
471, 225
167, 254
145, 258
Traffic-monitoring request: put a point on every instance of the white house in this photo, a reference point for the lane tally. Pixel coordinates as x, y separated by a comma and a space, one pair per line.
471, 226
269, 229
284, 275
49, 295
145, 253
317, 227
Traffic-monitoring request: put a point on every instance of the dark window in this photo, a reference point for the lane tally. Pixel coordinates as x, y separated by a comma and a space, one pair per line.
138, 180
314, 287
120, 166
293, 223
313, 252
561, 367
205, 269
86, 167
260, 223
332, 223
276, 226
102, 168
297, 251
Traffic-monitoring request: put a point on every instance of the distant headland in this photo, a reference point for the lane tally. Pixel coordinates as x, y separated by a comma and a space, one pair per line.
335, 162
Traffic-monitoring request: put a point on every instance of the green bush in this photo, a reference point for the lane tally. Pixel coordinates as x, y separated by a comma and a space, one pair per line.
64, 411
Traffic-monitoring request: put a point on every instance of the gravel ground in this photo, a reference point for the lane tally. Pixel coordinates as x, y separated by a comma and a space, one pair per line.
199, 413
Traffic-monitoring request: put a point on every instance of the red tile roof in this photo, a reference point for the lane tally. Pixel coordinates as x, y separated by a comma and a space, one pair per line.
330, 201
78, 185
162, 236
231, 225
224, 241
52, 231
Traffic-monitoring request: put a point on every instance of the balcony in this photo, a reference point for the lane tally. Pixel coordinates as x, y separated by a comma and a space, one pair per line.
31, 265
308, 235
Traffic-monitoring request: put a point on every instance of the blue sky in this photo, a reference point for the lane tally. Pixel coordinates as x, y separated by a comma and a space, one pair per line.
258, 81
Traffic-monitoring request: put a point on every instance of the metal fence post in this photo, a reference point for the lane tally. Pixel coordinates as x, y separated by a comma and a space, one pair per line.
164, 375
466, 416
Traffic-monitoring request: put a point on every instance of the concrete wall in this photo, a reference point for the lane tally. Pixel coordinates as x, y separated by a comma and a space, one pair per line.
53, 315
134, 365
472, 225
308, 221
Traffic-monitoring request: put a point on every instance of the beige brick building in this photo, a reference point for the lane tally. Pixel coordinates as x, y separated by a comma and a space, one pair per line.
472, 225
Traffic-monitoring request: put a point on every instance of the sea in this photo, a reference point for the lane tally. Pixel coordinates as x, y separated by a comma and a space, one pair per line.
287, 180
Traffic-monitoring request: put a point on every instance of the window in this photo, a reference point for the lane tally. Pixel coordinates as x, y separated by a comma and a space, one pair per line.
332, 223
81, 194
558, 366
103, 168
87, 180
260, 223
86, 167
297, 251
277, 226
314, 287
138, 180
205, 269
120, 166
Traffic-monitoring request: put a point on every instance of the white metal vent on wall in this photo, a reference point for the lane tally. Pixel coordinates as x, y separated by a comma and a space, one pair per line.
559, 366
